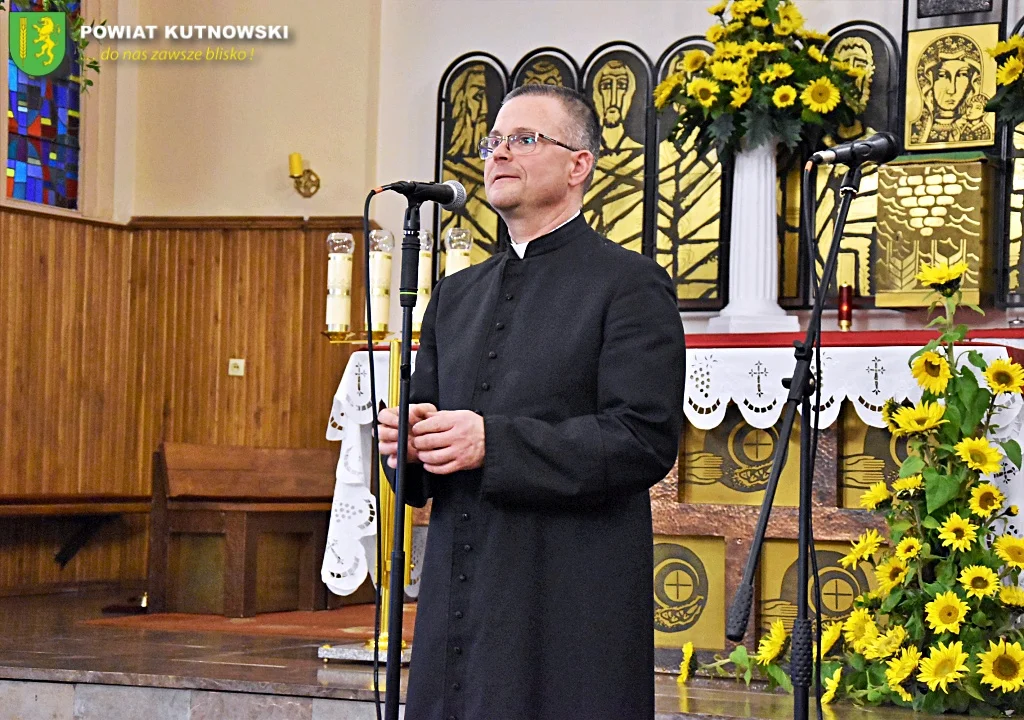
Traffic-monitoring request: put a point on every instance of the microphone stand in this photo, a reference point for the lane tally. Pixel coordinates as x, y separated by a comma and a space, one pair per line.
801, 386
407, 300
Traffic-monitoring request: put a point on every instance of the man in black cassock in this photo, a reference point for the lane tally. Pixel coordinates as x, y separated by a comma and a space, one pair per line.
547, 399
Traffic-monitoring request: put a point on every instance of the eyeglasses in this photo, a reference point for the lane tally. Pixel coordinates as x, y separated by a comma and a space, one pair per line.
521, 143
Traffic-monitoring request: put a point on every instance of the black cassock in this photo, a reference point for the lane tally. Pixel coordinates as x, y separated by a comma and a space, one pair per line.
536, 598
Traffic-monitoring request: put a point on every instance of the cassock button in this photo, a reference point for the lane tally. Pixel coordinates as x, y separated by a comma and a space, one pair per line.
462, 578
485, 386
509, 296
456, 687
465, 517
457, 650
452, 717
499, 326
492, 354
458, 614
467, 548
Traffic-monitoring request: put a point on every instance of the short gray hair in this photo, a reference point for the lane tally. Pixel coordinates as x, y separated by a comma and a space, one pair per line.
584, 131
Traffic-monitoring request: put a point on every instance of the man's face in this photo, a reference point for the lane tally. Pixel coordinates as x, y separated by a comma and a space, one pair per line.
537, 179
476, 97
613, 93
952, 80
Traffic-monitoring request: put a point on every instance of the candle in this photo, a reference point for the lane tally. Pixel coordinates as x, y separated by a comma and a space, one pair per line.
458, 241
845, 307
340, 247
295, 165
424, 280
382, 242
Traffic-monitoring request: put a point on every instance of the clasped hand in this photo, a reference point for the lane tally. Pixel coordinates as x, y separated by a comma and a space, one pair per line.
445, 441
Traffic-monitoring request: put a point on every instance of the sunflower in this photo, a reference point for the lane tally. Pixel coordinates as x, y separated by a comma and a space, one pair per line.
1002, 667
908, 548
920, 418
1011, 595
1012, 511
957, 533
902, 693
829, 636
815, 54
1012, 44
814, 35
760, 22
726, 71
771, 644
979, 454
901, 666
942, 277
885, 645
946, 612
890, 574
750, 50
986, 499
862, 548
719, 7
740, 94
979, 581
687, 665
856, 625
784, 96
733, 27
944, 664
1009, 71
727, 50
821, 96
831, 685
871, 634
908, 486
715, 33
889, 408
704, 91
1004, 376
875, 496
776, 72
1010, 550
931, 372
667, 88
694, 60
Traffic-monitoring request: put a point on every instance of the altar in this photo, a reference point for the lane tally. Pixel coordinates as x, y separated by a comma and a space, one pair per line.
705, 510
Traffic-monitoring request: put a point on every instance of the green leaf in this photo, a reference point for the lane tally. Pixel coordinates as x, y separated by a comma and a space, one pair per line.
974, 358
935, 588
779, 676
747, 675
739, 656
1012, 450
930, 523
897, 528
939, 489
892, 601
980, 619
915, 628
975, 308
934, 703
972, 687
857, 662
911, 466
789, 129
950, 431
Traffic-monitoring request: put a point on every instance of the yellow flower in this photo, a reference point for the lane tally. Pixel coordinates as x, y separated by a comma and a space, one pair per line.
733, 27
934, 275
1002, 47
931, 372
815, 54
986, 499
862, 548
1012, 511
886, 645
771, 644
814, 35
704, 91
1004, 376
742, 8
856, 625
686, 666
776, 72
920, 418
831, 686
890, 575
979, 454
1010, 550
957, 533
902, 666
715, 33
944, 664
740, 95
861, 644
829, 636
889, 408
875, 496
821, 96
849, 132
908, 548
719, 7
750, 50
1009, 71
758, 21
784, 96
979, 581
789, 14
908, 486
666, 89
904, 695
1011, 595
1002, 667
727, 50
694, 60
735, 72
946, 612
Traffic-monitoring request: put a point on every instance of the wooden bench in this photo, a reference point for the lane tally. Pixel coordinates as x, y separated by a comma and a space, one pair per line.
238, 531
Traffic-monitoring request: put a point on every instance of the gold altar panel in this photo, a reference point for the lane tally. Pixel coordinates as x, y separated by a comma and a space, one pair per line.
730, 464
839, 586
689, 208
1016, 210
930, 211
949, 80
787, 209
471, 94
619, 84
546, 67
866, 455
689, 592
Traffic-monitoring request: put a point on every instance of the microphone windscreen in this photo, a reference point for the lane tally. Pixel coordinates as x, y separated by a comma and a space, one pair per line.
459, 201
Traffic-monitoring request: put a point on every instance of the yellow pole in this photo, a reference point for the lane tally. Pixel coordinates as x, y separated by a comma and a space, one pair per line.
386, 512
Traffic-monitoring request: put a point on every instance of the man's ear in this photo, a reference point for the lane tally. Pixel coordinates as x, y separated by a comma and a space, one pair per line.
581, 168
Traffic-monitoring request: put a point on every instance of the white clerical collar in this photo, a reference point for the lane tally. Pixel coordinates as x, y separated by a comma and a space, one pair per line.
520, 248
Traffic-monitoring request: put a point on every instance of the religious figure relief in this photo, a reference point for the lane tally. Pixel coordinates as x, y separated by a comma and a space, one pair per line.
680, 588
614, 205
543, 72
470, 115
950, 82
1016, 206
839, 586
687, 240
867, 455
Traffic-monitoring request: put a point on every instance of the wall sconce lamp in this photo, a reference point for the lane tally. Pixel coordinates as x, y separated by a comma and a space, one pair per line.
307, 182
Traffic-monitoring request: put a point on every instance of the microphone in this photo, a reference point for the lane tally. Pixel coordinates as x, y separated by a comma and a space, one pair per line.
879, 148
450, 195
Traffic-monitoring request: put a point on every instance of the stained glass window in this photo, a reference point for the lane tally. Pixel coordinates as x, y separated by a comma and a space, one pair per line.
43, 128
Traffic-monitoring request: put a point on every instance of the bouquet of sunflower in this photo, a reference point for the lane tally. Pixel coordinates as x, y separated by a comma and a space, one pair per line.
1009, 98
768, 78
941, 632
